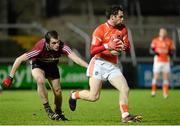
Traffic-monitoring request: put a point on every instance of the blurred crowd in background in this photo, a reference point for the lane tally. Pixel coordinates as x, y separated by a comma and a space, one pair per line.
142, 17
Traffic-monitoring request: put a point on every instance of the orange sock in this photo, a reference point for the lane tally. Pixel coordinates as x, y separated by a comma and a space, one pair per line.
124, 110
124, 107
165, 89
77, 95
153, 88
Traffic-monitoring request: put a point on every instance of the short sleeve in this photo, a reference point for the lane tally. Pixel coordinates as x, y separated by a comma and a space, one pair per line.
36, 50
153, 43
66, 50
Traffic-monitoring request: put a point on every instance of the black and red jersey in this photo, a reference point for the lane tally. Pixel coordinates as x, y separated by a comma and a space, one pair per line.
41, 52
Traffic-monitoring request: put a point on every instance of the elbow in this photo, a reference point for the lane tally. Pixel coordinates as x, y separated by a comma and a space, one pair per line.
20, 59
92, 50
92, 53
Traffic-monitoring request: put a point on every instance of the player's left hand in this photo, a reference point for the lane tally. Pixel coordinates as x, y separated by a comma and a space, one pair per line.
7, 82
122, 45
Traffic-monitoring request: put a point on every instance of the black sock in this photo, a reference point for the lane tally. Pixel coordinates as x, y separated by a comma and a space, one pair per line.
47, 108
46, 105
58, 111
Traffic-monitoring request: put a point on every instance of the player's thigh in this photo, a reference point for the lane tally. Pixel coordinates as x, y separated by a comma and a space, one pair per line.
157, 67
38, 74
156, 75
55, 84
119, 82
166, 71
165, 75
95, 85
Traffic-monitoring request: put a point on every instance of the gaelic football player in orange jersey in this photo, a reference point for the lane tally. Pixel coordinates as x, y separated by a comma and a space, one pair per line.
163, 48
111, 35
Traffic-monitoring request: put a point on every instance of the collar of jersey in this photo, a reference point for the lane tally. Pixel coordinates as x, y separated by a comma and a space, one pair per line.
110, 25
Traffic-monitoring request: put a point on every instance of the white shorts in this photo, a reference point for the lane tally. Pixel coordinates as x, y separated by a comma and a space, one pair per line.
102, 69
161, 67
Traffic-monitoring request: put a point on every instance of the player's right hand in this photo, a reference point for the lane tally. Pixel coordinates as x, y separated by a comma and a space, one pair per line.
114, 44
7, 82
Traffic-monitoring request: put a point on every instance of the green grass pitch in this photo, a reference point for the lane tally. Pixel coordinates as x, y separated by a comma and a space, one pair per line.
24, 108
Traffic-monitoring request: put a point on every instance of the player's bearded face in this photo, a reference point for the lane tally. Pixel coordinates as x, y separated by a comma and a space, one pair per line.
54, 44
118, 19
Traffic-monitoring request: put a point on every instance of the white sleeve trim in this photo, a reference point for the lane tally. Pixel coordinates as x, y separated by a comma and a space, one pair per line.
33, 53
67, 49
106, 46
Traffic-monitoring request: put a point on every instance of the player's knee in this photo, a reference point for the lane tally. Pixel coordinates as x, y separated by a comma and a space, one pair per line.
125, 90
40, 81
166, 81
57, 91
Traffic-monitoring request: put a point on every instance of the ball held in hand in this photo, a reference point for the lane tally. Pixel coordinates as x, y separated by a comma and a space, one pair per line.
119, 50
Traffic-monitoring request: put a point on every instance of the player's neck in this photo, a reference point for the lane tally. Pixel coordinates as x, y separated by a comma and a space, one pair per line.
162, 38
111, 23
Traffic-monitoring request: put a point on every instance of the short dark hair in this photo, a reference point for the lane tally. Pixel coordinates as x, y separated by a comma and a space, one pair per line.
113, 10
51, 34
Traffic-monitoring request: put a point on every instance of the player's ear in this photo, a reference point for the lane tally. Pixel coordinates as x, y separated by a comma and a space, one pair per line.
47, 38
110, 16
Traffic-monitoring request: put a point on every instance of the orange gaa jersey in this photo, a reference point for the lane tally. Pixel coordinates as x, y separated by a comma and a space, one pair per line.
102, 35
162, 47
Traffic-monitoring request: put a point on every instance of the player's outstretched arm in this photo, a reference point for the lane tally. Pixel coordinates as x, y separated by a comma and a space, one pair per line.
8, 80
77, 59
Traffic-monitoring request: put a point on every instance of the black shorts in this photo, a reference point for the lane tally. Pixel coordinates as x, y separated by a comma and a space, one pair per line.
51, 69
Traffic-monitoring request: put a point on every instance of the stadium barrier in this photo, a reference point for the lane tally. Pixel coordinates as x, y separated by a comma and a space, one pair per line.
144, 73
72, 76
